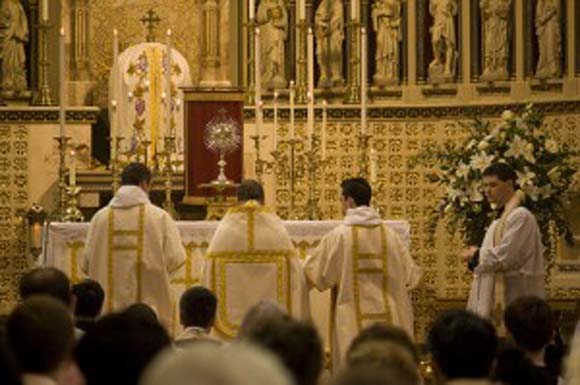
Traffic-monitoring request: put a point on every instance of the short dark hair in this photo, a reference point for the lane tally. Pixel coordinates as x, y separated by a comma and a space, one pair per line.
89, 297
46, 280
297, 345
502, 170
118, 348
385, 333
197, 307
358, 189
40, 333
531, 322
373, 374
134, 174
250, 189
141, 312
462, 344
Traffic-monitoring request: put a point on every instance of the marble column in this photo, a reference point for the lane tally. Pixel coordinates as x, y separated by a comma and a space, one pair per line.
570, 86
476, 43
518, 87
210, 53
80, 59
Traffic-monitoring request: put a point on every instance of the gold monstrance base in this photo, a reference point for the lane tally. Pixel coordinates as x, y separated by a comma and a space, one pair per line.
219, 205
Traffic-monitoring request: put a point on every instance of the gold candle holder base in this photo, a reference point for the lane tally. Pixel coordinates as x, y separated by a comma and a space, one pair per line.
72, 212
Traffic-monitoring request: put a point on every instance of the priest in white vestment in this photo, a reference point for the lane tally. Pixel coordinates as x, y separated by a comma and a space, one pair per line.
369, 269
251, 258
510, 262
133, 247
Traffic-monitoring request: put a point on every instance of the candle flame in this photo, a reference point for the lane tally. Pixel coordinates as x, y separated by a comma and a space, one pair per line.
115, 32
62, 31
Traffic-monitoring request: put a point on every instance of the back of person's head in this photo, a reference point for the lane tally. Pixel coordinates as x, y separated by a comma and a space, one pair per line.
209, 364
502, 171
530, 322
376, 375
358, 189
197, 307
9, 371
297, 344
46, 281
462, 344
572, 365
118, 348
141, 312
134, 174
40, 333
263, 312
89, 297
249, 190
382, 332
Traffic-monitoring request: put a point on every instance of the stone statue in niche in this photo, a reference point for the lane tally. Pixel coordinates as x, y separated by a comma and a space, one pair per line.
495, 15
549, 39
443, 40
386, 16
13, 37
329, 30
272, 17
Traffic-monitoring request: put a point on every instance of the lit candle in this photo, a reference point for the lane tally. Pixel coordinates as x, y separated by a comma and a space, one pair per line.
353, 9
115, 46
363, 76
310, 63
252, 9
44, 11
73, 169
275, 119
301, 9
114, 128
324, 118
168, 128
292, 95
36, 236
62, 84
257, 69
130, 95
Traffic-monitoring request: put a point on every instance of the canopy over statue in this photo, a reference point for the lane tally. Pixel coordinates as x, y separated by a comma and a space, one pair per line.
138, 85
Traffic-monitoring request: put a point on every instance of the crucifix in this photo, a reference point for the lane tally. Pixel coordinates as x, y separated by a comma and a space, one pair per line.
150, 21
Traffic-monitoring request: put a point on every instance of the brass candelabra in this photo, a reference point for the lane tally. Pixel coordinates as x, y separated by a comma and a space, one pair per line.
363, 148
353, 82
315, 167
261, 166
44, 95
251, 91
168, 150
72, 212
116, 164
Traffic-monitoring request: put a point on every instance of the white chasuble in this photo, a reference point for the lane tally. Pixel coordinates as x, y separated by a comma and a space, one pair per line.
132, 248
371, 272
514, 254
249, 259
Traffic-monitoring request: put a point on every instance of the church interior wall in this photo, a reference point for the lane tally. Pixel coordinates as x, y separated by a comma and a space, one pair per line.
403, 118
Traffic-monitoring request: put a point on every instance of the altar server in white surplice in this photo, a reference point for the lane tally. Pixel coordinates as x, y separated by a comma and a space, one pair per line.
368, 268
133, 247
251, 258
510, 262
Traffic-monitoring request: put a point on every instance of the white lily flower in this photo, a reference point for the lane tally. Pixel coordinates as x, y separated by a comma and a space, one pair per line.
481, 161
507, 115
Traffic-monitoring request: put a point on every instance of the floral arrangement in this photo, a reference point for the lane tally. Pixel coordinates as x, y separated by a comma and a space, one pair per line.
545, 172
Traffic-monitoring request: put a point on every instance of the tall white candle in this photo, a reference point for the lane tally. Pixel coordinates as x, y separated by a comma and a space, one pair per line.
168, 98
44, 10
353, 9
72, 178
115, 46
310, 63
324, 119
275, 134
292, 95
363, 76
252, 9
62, 84
114, 128
259, 118
257, 67
301, 9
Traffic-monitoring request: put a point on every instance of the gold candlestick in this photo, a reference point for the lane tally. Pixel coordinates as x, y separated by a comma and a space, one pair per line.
261, 166
363, 147
72, 212
353, 86
116, 163
62, 143
44, 95
315, 166
301, 66
168, 149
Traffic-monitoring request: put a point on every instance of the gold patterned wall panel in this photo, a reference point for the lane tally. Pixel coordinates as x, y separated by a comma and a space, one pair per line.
182, 16
404, 193
13, 201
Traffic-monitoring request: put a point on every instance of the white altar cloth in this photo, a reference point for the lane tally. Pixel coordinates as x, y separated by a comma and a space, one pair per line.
65, 242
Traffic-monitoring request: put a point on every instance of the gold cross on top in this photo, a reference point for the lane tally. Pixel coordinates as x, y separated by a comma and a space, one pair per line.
150, 21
